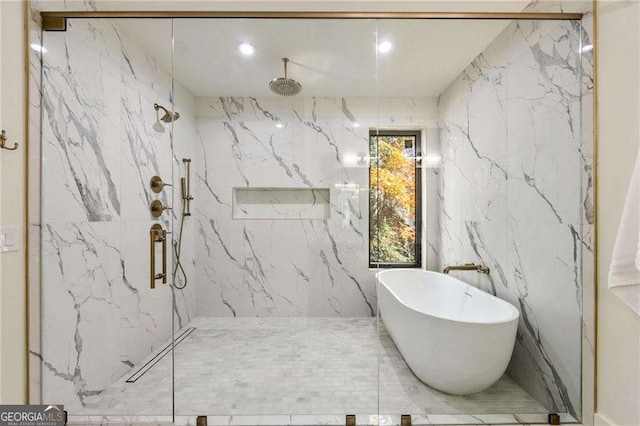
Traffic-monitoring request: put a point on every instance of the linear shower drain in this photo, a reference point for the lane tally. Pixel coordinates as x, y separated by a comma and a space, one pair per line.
157, 357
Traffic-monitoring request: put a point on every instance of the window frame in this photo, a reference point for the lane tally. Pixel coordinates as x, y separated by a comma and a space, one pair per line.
418, 197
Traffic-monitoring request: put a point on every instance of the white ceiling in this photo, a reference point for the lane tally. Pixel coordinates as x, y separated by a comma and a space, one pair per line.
328, 57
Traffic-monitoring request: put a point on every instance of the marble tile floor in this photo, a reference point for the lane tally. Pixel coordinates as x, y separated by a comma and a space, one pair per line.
294, 367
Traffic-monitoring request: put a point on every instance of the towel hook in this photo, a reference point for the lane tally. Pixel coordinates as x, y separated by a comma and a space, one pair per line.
3, 142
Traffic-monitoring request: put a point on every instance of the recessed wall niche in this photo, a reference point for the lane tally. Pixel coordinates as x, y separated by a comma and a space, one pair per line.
281, 203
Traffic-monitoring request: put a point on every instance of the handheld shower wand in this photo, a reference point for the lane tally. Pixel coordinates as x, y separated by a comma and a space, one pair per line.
186, 188
186, 211
183, 181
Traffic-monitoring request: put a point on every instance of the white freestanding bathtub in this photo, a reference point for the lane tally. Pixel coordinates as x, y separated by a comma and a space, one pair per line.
454, 337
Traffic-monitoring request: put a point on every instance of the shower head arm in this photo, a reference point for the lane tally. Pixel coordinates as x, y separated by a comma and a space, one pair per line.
168, 116
157, 107
285, 60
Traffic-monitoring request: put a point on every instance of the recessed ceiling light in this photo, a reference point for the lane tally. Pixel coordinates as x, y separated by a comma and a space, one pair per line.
385, 46
279, 125
356, 124
246, 49
38, 48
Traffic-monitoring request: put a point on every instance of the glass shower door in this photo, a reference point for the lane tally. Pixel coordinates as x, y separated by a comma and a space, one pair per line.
106, 152
284, 328
203, 230
498, 104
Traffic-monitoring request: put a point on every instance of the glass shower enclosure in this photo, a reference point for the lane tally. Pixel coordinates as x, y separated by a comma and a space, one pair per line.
210, 240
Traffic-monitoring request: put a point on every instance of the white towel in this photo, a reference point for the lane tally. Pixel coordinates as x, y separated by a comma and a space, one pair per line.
624, 274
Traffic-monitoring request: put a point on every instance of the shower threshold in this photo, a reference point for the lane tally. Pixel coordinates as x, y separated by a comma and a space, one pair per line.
328, 420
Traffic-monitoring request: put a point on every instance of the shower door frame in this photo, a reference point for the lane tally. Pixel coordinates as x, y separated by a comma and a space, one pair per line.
57, 21
39, 21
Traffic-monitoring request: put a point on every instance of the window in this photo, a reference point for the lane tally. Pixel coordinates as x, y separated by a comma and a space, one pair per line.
395, 199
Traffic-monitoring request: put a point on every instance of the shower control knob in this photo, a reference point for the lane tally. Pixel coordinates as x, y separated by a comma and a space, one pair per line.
157, 208
157, 184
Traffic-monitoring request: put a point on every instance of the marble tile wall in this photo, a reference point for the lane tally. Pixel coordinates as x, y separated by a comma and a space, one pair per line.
588, 184
99, 151
431, 176
294, 267
512, 194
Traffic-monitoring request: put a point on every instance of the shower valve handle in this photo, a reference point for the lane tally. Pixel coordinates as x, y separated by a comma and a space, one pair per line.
157, 184
157, 208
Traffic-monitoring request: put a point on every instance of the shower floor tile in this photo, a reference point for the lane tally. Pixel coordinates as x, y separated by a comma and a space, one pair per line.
293, 366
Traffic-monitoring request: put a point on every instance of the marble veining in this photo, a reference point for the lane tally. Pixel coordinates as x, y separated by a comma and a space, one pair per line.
99, 150
511, 196
588, 223
285, 266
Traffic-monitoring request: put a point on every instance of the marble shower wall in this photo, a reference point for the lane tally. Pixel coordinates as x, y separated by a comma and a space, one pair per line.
512, 195
431, 176
99, 152
290, 267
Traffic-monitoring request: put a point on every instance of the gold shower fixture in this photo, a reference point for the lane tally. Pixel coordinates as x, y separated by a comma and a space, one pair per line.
168, 116
285, 86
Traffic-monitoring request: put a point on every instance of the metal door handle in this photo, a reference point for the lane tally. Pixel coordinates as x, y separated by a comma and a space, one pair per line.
157, 235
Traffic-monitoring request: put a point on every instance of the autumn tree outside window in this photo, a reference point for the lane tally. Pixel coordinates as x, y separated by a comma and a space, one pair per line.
395, 199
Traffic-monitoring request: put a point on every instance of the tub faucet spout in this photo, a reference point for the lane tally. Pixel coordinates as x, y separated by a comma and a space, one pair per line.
467, 267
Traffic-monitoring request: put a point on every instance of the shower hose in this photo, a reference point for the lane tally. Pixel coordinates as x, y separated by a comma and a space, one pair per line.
177, 245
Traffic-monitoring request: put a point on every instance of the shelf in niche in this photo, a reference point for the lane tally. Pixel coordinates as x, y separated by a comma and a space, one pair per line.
281, 203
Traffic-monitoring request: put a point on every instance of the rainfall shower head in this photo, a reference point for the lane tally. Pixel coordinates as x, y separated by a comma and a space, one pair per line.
284, 86
168, 117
